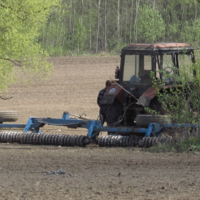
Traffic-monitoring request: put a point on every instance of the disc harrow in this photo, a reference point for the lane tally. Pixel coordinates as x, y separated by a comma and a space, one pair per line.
43, 139
121, 136
80, 140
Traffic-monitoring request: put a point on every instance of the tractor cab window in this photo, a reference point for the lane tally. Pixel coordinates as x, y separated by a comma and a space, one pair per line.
168, 65
137, 69
166, 68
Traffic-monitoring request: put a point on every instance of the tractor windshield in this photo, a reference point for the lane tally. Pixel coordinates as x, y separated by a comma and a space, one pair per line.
137, 69
169, 65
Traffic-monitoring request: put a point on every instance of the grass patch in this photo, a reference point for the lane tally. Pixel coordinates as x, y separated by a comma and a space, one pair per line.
192, 144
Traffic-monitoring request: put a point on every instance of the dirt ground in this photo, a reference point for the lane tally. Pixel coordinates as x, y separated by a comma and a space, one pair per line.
91, 172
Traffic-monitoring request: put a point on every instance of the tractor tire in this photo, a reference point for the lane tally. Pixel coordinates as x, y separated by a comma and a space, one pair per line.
8, 116
113, 113
146, 119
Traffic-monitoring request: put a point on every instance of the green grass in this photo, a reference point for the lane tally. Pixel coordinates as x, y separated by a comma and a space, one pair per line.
192, 144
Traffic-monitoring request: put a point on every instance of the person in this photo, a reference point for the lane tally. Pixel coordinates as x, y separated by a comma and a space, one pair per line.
117, 72
103, 108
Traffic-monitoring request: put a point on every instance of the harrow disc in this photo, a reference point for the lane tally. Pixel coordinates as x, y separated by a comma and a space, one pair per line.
61, 140
134, 140
66, 140
10, 140
56, 139
52, 140
83, 141
2, 136
46, 139
72, 140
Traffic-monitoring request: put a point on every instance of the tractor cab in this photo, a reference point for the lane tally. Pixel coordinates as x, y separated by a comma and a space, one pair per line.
139, 60
140, 63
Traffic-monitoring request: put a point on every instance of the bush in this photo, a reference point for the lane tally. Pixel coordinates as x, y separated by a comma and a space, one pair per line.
181, 102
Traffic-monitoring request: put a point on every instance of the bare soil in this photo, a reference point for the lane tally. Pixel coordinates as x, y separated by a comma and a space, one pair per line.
91, 172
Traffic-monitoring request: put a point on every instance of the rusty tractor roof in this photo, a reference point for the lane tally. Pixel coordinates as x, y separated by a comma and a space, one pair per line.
157, 46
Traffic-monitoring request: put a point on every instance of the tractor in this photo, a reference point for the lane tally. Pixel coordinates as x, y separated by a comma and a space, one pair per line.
133, 90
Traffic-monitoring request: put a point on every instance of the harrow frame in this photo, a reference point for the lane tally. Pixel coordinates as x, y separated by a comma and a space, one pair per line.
120, 137
93, 126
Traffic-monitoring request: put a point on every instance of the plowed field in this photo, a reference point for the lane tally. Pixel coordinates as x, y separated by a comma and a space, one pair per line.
91, 172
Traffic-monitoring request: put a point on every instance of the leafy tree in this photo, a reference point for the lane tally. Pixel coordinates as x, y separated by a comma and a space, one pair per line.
54, 35
150, 25
20, 23
191, 32
79, 35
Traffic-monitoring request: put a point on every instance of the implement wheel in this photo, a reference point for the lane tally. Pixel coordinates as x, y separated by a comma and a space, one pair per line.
8, 116
145, 120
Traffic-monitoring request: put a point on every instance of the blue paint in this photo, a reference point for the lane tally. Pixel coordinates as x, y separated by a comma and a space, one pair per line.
65, 115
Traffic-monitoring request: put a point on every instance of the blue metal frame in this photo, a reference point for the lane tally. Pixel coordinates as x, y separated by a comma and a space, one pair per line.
12, 125
94, 126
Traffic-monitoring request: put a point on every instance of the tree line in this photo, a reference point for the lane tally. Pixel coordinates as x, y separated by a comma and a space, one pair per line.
92, 26
33, 30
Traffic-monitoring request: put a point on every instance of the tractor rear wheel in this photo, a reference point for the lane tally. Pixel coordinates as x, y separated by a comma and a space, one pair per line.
113, 113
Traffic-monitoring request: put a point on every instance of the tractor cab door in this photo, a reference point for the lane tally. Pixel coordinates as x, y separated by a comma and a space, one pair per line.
166, 67
137, 69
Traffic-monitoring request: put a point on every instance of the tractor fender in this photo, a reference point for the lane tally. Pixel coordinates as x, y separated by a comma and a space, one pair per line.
114, 91
149, 94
